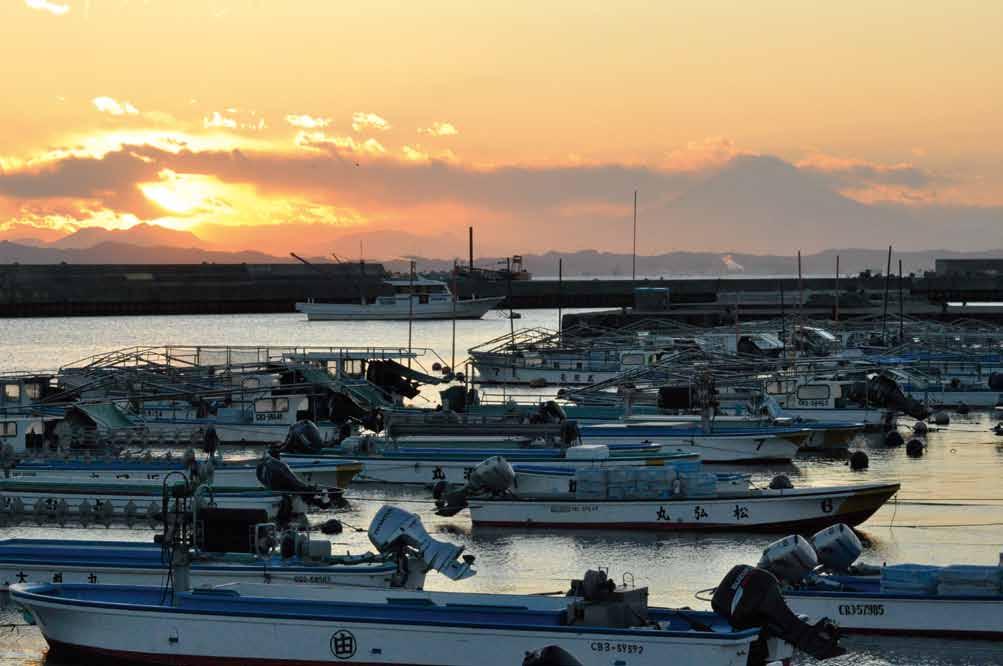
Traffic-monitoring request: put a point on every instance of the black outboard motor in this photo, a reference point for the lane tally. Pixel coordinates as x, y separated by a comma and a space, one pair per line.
750, 597
883, 391
276, 475
303, 437
374, 421
552, 655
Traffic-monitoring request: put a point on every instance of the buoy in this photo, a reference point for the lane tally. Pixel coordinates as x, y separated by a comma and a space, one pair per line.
894, 438
332, 526
963, 409
914, 449
781, 482
859, 461
941, 418
920, 428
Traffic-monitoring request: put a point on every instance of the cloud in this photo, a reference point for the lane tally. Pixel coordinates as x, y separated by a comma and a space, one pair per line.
712, 152
235, 119
439, 129
339, 144
217, 119
46, 6
363, 121
852, 172
304, 121
114, 107
414, 154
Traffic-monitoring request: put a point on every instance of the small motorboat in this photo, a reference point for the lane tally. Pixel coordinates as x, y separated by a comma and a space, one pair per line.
233, 547
596, 623
822, 576
654, 498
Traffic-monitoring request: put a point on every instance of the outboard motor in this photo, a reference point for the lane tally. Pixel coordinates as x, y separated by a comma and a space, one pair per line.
750, 597
493, 476
552, 655
303, 437
374, 421
885, 392
837, 547
276, 475
395, 530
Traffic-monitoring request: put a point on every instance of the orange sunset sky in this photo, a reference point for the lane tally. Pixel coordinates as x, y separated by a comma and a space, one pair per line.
309, 125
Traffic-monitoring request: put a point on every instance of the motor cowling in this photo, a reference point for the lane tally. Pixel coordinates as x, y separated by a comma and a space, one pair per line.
750, 597
276, 475
303, 437
493, 476
837, 547
396, 530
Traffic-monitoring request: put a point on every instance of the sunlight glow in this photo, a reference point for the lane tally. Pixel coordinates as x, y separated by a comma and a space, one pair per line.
182, 194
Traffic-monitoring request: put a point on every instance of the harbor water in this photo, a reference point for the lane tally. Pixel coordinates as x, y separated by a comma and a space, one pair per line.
950, 508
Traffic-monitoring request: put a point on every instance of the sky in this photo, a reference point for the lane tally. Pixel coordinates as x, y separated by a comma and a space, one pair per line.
300, 124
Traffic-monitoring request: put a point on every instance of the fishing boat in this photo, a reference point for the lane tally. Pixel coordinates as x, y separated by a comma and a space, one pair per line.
822, 576
260, 553
598, 621
654, 499
421, 298
754, 445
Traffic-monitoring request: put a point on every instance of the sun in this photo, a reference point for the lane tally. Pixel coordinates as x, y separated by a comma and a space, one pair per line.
180, 193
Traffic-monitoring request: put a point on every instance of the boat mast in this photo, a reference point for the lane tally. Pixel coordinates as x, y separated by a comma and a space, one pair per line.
410, 315
884, 315
633, 257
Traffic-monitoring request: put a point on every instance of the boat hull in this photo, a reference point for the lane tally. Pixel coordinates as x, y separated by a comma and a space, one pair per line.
212, 633
959, 617
771, 511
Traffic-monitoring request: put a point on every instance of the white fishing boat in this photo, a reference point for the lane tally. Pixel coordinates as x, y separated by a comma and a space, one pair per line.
261, 554
822, 576
657, 499
596, 623
412, 299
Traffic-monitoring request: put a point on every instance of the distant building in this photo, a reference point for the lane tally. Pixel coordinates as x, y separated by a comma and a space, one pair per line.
968, 266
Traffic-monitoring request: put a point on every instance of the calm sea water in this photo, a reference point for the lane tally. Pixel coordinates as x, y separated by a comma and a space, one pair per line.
950, 509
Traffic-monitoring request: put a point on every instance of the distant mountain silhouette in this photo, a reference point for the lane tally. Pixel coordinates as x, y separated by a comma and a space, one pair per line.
123, 253
143, 234
764, 204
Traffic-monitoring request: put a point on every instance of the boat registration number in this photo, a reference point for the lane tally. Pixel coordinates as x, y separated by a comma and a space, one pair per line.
621, 648
861, 609
573, 508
